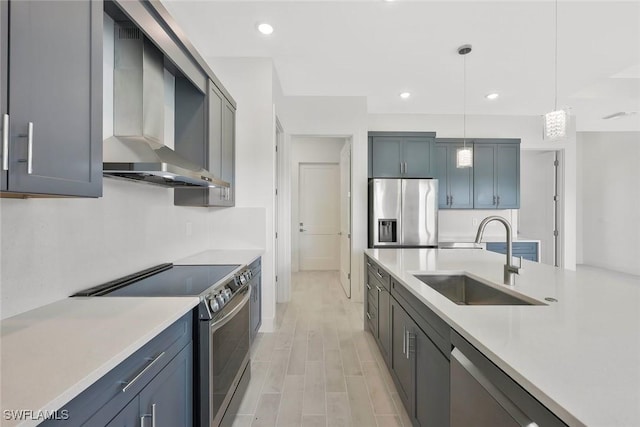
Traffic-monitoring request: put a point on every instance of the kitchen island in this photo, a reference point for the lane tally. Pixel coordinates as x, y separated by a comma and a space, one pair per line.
578, 356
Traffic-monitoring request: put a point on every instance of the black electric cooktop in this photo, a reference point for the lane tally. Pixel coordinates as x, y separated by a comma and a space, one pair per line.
177, 280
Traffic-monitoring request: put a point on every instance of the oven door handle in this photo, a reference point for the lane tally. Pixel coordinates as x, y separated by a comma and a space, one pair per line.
227, 317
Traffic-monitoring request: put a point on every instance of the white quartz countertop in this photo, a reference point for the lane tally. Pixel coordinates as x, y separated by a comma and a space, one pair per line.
53, 353
222, 256
579, 356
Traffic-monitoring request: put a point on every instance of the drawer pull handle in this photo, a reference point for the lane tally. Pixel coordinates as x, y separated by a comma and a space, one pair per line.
368, 286
379, 288
368, 264
379, 275
5, 142
152, 361
368, 315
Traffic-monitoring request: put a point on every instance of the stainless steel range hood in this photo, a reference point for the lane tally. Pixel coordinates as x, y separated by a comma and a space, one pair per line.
137, 151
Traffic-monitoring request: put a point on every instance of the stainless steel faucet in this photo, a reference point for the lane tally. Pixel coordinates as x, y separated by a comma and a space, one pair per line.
510, 270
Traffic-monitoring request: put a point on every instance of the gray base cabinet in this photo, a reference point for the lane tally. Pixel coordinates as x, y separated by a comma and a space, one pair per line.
153, 387
420, 371
255, 309
378, 306
52, 73
526, 250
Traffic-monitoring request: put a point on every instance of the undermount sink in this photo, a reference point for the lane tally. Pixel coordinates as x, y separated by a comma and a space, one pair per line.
464, 290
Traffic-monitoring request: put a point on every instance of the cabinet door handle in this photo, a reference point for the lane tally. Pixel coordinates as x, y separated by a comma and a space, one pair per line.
152, 361
5, 142
494, 200
368, 315
450, 200
498, 201
379, 288
408, 336
368, 286
406, 169
153, 415
404, 339
30, 148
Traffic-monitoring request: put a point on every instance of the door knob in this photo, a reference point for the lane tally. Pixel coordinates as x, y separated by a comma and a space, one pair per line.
302, 229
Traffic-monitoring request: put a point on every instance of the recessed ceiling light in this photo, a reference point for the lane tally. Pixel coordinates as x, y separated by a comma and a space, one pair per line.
492, 96
265, 29
405, 95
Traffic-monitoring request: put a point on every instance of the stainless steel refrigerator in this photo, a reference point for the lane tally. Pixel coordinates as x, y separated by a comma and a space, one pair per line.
403, 212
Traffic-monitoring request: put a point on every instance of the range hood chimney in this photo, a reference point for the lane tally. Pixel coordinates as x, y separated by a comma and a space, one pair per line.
136, 151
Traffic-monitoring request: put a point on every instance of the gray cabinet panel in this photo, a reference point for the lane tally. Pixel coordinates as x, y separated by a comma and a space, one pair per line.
456, 184
256, 305
55, 82
228, 151
416, 154
483, 176
460, 182
167, 399
439, 165
386, 157
384, 322
508, 176
4, 102
401, 364
128, 417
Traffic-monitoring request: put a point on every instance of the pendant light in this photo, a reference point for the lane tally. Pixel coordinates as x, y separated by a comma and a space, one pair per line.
556, 121
464, 154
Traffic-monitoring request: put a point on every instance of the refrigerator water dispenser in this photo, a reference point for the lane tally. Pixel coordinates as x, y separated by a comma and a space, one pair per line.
388, 230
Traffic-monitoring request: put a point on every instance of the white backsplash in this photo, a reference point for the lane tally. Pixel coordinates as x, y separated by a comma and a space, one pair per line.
462, 225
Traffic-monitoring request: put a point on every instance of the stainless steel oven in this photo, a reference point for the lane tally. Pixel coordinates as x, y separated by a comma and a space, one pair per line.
224, 360
222, 330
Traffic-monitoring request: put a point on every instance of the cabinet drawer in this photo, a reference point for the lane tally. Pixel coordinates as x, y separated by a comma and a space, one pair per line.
372, 299
133, 373
378, 272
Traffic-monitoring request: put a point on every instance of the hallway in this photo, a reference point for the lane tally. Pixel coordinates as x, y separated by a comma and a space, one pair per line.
319, 368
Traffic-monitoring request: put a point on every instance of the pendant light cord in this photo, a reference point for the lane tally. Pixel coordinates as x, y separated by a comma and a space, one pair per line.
464, 101
555, 64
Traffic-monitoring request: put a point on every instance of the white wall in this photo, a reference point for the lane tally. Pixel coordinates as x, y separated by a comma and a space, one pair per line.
250, 81
52, 248
527, 128
343, 117
307, 150
609, 174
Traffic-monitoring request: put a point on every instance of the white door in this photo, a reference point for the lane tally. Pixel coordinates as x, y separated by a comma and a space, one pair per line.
345, 218
319, 214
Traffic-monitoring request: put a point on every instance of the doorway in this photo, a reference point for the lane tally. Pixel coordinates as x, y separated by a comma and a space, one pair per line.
319, 216
539, 208
321, 187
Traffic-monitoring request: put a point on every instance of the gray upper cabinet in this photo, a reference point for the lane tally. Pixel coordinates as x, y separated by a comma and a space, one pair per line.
400, 154
455, 184
496, 174
217, 156
53, 55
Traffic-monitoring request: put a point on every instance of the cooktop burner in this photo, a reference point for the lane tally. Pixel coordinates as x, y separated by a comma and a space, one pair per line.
177, 280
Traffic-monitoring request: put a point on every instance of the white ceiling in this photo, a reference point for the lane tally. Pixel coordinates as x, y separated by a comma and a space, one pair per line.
379, 49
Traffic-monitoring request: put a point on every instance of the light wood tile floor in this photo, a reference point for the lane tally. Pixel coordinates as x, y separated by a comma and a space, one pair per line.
320, 368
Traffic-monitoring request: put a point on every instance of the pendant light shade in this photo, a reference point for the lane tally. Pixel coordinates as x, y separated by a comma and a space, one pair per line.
556, 122
464, 157
464, 154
